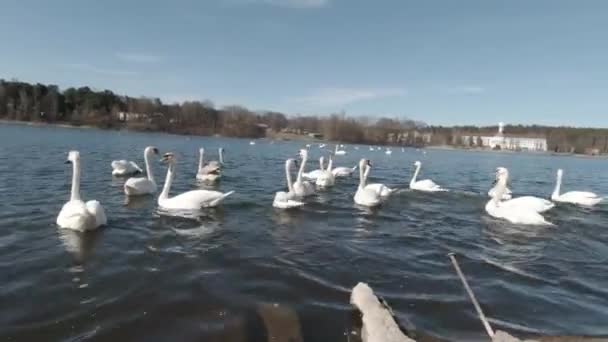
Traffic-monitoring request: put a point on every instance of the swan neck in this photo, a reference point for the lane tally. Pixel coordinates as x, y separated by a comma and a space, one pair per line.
499, 190
301, 170
321, 163
75, 192
200, 159
415, 175
148, 167
558, 186
168, 180
288, 176
366, 174
221, 153
330, 164
361, 175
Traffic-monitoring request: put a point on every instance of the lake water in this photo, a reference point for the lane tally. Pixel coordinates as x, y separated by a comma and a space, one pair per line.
246, 271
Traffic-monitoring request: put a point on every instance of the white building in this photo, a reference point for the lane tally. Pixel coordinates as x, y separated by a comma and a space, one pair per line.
507, 141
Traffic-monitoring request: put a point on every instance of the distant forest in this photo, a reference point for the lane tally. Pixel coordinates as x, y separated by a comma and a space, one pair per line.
85, 106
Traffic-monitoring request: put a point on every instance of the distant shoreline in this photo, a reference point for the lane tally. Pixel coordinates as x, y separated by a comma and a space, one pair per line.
296, 137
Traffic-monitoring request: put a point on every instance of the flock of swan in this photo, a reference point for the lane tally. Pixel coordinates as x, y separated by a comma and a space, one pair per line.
79, 215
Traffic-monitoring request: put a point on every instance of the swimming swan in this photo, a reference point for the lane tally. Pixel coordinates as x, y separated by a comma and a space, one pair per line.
143, 185
366, 195
313, 175
212, 171
425, 184
76, 214
287, 200
190, 200
326, 178
511, 211
537, 204
339, 152
301, 187
583, 198
122, 168
343, 171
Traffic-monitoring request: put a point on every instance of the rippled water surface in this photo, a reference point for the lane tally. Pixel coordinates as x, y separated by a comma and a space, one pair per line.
248, 272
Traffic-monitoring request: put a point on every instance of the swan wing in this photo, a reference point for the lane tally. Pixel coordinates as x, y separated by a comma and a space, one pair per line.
119, 164
427, 185
528, 203
515, 215
284, 200
367, 197
312, 175
574, 195
96, 209
195, 199
75, 215
139, 186
134, 167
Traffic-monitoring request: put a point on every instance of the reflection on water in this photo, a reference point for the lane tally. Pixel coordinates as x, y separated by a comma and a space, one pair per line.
249, 272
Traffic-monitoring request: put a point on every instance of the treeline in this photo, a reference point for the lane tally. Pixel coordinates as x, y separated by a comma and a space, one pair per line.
85, 106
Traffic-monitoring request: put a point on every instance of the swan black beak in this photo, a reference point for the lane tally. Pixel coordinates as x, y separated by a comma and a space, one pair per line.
155, 150
68, 162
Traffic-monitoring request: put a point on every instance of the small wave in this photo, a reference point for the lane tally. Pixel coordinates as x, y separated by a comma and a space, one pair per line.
517, 271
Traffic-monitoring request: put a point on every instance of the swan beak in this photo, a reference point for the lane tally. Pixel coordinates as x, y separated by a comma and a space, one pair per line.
68, 162
155, 150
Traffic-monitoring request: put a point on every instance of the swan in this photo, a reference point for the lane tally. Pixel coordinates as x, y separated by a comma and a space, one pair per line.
425, 184
326, 178
252, 142
366, 195
121, 168
388, 151
76, 214
313, 175
212, 171
382, 189
343, 171
583, 198
511, 210
378, 322
301, 187
535, 203
338, 152
143, 185
287, 200
190, 200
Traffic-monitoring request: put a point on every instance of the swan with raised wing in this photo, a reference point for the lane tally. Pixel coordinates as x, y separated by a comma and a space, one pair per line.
366, 195
76, 214
314, 174
212, 171
584, 198
123, 168
301, 187
511, 210
326, 178
190, 200
425, 184
289, 199
137, 186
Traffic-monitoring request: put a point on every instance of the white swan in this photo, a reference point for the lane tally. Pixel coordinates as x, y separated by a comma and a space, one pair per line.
425, 184
313, 175
366, 195
327, 178
122, 168
301, 187
190, 200
143, 185
537, 204
388, 151
252, 142
339, 152
76, 214
287, 200
212, 171
583, 198
517, 213
343, 171
378, 322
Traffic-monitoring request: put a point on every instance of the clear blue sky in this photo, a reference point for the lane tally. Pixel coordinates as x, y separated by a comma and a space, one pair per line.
443, 62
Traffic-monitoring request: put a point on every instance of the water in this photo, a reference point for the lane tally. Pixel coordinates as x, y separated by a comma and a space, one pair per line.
245, 271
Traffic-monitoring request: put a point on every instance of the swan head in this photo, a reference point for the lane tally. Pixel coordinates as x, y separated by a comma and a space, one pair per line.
168, 158
303, 153
201, 150
417, 163
289, 162
150, 150
502, 174
73, 157
560, 173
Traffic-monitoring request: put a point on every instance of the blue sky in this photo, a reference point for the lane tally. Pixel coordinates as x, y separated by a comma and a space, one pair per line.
443, 62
